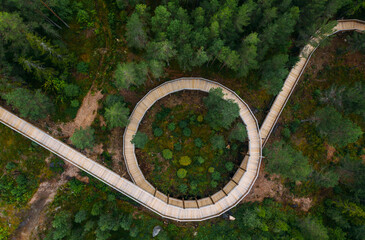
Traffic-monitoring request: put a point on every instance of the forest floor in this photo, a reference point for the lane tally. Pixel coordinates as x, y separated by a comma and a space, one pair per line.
271, 187
37, 206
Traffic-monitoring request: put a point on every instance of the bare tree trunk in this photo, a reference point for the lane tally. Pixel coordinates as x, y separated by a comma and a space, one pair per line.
54, 13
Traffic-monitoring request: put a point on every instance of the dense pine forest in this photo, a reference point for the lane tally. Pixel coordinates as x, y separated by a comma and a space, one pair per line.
77, 68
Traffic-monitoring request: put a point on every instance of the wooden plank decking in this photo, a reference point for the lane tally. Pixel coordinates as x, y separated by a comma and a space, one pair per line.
295, 74
143, 192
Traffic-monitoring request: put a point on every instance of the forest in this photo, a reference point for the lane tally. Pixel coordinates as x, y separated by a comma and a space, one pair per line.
77, 68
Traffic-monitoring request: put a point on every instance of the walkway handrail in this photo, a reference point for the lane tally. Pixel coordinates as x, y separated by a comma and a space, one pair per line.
295, 74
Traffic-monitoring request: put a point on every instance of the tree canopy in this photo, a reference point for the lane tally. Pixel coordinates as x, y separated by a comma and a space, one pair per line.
221, 112
335, 128
283, 159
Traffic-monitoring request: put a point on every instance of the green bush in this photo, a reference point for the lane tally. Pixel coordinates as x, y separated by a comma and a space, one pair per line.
229, 166
117, 115
217, 142
216, 176
200, 118
185, 161
193, 185
294, 125
71, 90
83, 138
171, 126
201, 160
10, 166
285, 133
157, 132
82, 67
139, 140
187, 132
75, 103
181, 173
211, 169
167, 154
183, 188
214, 184
177, 146
198, 142
183, 124
238, 133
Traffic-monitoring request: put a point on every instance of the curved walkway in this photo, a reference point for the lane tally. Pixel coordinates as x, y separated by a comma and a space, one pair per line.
234, 191
295, 74
147, 199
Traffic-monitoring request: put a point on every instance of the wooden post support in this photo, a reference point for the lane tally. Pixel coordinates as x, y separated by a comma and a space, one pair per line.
168, 198
211, 199
183, 203
224, 192
196, 200
234, 181
154, 194
242, 169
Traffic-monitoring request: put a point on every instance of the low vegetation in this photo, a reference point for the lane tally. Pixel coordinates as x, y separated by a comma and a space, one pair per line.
194, 148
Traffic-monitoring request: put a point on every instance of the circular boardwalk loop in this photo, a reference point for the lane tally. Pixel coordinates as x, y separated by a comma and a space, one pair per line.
149, 197
232, 193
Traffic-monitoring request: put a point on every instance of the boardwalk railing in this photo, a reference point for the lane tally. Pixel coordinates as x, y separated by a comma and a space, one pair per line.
295, 74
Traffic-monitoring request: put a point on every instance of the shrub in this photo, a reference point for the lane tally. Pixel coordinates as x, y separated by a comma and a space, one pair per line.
75, 103
294, 125
185, 161
82, 67
214, 184
139, 140
193, 185
183, 188
71, 90
187, 132
117, 115
177, 146
167, 154
229, 166
217, 142
183, 124
198, 142
211, 169
157, 132
171, 126
181, 173
113, 99
83, 138
201, 160
239, 133
216, 176
200, 118
10, 166
285, 133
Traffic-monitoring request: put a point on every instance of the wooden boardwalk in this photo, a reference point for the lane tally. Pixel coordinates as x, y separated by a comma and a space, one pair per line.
295, 74
243, 179
145, 194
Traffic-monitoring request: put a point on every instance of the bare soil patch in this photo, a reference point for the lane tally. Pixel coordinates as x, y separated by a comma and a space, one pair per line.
85, 115
36, 214
271, 187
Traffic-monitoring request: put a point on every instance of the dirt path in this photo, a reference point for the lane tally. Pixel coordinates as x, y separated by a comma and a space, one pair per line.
36, 214
271, 187
40, 200
85, 115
